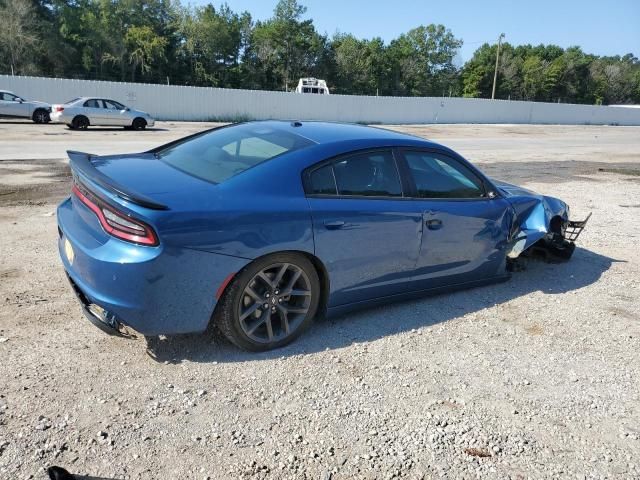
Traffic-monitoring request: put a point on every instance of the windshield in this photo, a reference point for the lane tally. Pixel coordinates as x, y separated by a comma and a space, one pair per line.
220, 154
72, 100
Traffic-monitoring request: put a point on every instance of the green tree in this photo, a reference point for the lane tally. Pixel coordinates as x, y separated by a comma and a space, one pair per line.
18, 36
144, 47
286, 47
423, 60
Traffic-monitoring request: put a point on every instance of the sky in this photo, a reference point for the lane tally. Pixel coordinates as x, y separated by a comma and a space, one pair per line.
601, 27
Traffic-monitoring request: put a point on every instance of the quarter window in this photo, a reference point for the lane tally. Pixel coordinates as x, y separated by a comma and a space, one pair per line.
323, 182
437, 176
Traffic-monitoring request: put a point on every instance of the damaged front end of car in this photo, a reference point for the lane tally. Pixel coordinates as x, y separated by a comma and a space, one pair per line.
541, 226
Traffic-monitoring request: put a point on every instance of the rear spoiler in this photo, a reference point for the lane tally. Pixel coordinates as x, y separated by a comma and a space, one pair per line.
81, 162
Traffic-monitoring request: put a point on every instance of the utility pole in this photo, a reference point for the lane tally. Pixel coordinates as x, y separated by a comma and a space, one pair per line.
495, 73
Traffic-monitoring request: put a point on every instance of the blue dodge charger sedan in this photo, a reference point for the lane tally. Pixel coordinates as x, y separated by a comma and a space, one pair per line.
258, 227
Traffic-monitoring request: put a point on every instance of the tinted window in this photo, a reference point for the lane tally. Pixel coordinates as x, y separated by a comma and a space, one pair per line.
220, 154
322, 181
93, 103
440, 177
111, 105
369, 174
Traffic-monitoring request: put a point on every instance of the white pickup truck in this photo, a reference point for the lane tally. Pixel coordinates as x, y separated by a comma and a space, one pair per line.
312, 85
11, 105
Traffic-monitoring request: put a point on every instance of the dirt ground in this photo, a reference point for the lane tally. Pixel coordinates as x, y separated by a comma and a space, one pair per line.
537, 377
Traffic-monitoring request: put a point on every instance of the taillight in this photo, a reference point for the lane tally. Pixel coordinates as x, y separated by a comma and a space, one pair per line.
59, 109
117, 223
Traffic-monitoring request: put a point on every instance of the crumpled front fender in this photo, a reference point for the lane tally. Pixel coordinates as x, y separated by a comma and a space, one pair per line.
533, 216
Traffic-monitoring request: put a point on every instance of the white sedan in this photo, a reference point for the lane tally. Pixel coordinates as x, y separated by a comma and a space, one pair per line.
12, 105
83, 112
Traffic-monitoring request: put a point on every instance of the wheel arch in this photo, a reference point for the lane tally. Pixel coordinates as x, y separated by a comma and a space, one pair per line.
80, 115
37, 110
321, 270
139, 119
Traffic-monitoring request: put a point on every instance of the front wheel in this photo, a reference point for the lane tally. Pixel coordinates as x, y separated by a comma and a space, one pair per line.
139, 124
269, 303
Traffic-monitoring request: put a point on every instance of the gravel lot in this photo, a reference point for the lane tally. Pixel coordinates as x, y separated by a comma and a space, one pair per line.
533, 378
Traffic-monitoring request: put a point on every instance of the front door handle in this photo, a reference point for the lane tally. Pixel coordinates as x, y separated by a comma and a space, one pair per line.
434, 224
334, 225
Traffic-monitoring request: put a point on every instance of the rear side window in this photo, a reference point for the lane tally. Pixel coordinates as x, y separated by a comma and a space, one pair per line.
93, 103
369, 174
437, 176
220, 154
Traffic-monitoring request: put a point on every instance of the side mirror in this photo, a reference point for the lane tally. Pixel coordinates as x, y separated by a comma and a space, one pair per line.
127, 109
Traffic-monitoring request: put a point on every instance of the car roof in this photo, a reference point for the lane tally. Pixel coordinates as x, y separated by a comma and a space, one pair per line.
96, 98
8, 91
331, 132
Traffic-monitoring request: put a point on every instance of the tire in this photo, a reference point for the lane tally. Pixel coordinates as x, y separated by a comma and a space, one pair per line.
242, 316
40, 115
139, 124
80, 123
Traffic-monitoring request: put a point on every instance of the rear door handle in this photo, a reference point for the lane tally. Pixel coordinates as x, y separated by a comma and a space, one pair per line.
334, 225
434, 224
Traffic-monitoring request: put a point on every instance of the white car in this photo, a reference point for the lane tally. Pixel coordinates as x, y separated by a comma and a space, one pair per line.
12, 105
83, 112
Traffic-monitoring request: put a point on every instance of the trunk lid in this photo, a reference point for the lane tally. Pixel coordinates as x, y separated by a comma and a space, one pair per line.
141, 179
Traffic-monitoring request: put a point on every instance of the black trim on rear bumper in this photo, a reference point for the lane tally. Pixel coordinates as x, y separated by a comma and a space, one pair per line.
111, 327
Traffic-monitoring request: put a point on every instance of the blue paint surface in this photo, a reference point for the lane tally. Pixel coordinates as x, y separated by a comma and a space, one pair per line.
371, 248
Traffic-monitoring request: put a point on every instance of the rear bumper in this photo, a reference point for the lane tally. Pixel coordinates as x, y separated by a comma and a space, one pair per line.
57, 117
152, 290
105, 321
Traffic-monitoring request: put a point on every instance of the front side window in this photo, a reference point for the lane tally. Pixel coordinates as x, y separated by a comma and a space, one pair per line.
112, 105
436, 176
220, 154
370, 174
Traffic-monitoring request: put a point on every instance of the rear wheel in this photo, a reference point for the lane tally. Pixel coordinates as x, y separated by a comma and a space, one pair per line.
40, 115
269, 303
80, 123
139, 124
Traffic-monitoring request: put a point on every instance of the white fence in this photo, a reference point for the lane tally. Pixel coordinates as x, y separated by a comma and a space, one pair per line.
167, 102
